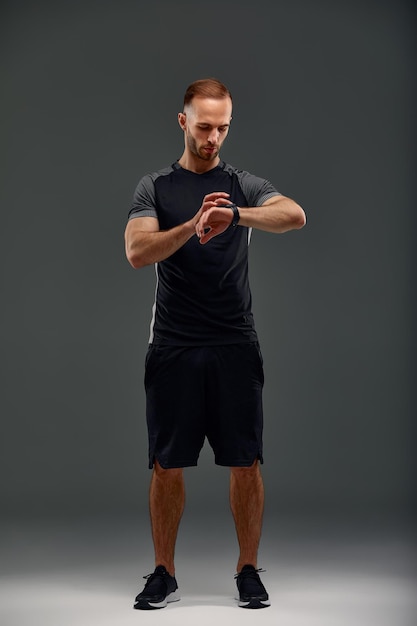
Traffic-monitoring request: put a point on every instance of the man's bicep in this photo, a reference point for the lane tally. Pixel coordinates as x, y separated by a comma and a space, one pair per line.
273, 199
142, 224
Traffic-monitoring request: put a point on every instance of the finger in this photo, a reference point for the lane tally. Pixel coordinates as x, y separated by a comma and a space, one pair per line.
215, 195
222, 202
206, 234
205, 237
201, 227
210, 204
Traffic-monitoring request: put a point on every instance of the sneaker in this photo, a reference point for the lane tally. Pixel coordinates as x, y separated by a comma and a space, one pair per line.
252, 593
160, 588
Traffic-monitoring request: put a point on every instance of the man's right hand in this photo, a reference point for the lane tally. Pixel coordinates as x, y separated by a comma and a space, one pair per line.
210, 201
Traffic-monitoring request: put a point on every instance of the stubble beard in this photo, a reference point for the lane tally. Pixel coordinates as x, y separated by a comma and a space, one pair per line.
192, 145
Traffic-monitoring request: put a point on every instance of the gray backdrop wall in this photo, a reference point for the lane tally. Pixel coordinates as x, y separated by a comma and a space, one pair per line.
323, 95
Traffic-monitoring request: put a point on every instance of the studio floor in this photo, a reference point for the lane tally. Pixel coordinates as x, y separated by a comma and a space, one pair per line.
87, 572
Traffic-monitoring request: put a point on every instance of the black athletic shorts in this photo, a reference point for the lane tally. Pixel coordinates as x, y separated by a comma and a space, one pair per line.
204, 391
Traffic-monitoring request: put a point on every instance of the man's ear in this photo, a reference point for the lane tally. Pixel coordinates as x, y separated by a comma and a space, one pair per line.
182, 120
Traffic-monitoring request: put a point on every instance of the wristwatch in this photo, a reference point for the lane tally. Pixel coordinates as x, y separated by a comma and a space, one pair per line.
236, 215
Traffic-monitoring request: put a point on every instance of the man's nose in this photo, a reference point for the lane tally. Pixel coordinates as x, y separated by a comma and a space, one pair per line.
213, 136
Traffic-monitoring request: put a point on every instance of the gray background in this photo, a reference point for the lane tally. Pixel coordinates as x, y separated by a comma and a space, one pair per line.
324, 104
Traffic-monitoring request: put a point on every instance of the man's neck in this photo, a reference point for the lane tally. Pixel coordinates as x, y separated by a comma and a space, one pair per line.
196, 165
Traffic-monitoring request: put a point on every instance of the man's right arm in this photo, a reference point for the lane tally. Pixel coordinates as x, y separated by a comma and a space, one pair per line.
145, 244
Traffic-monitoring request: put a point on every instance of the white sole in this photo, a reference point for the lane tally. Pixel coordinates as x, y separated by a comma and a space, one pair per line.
172, 597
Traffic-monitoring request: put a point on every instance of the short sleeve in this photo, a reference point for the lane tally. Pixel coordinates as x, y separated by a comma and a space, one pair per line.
257, 190
143, 203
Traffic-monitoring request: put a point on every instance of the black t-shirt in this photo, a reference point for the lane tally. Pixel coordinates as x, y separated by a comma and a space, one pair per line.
202, 293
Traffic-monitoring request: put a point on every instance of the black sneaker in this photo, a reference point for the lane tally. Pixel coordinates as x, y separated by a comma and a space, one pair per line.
160, 588
252, 593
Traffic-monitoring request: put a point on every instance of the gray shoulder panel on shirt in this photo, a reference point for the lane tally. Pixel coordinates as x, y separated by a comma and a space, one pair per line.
257, 190
143, 204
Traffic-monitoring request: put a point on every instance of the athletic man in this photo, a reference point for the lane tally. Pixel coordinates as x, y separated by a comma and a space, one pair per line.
204, 374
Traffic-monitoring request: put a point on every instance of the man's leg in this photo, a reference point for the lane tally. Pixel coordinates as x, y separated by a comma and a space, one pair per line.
166, 504
247, 504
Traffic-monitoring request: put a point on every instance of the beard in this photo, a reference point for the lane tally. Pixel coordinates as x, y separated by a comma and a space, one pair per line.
199, 152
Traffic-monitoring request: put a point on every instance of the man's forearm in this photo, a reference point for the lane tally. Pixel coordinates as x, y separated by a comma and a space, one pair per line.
146, 248
278, 215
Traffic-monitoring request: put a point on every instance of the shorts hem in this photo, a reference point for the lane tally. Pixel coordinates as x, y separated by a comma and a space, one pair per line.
175, 465
240, 462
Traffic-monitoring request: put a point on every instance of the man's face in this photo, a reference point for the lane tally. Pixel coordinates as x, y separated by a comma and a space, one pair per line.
206, 123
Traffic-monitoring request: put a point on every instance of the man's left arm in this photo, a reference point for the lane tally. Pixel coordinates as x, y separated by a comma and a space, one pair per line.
278, 214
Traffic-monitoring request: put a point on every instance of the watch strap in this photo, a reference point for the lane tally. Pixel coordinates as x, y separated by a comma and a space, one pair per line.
236, 214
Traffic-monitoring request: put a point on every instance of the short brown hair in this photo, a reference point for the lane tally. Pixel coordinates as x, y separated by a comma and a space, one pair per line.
206, 88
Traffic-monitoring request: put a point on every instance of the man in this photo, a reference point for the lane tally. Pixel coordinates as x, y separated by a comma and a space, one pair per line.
204, 374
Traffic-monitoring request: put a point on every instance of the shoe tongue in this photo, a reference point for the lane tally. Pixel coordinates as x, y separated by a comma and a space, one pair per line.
247, 568
160, 569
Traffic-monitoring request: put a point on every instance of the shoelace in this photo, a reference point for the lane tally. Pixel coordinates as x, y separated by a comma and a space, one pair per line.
250, 572
150, 577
